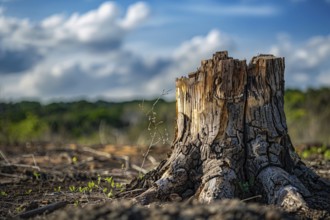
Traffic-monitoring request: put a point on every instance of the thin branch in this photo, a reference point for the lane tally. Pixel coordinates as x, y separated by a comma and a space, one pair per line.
33, 158
152, 160
97, 153
164, 92
4, 157
140, 169
48, 208
148, 150
154, 124
250, 198
12, 175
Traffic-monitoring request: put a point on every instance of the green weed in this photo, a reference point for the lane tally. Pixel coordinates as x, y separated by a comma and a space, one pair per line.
110, 194
323, 150
57, 189
74, 159
36, 175
3, 194
72, 188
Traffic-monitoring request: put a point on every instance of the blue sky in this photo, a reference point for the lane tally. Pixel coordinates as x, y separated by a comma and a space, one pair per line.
122, 50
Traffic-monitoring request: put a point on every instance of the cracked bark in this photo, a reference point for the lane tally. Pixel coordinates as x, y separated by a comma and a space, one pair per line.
232, 140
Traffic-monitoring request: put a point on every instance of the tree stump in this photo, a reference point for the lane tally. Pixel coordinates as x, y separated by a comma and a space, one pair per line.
232, 140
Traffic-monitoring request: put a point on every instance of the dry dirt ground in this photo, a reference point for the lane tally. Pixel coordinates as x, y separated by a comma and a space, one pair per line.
56, 181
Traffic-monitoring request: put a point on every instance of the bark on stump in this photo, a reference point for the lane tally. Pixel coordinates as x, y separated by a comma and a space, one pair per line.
232, 140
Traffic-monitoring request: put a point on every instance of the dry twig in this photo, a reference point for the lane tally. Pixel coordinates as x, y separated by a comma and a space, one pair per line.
48, 208
4, 157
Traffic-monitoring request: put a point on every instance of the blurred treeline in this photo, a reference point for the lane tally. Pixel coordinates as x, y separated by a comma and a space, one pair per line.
141, 122
83, 122
308, 115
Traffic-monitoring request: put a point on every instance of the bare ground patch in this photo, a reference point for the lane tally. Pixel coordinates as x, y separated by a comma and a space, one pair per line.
55, 181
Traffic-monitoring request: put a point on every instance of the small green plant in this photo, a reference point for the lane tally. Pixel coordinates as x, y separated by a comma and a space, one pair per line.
76, 203
28, 192
305, 154
36, 175
98, 186
3, 194
19, 209
72, 188
245, 187
57, 189
113, 185
110, 194
74, 159
122, 189
108, 179
91, 185
83, 189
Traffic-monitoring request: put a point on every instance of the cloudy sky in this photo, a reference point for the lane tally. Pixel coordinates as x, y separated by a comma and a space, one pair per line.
121, 50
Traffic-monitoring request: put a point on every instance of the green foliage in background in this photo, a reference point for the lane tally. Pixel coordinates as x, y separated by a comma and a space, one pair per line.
28, 129
308, 115
315, 151
84, 122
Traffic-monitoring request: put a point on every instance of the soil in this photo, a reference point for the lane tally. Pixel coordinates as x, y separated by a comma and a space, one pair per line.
57, 181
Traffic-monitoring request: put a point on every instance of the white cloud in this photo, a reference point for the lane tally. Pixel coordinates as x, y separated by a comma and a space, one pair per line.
116, 74
81, 54
94, 26
53, 21
136, 14
187, 57
87, 55
307, 64
84, 55
198, 48
102, 28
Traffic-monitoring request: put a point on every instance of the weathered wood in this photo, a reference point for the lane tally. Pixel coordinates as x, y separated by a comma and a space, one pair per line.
232, 139
268, 156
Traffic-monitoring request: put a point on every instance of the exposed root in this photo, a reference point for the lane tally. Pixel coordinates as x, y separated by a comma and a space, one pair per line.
219, 187
149, 196
290, 199
283, 189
